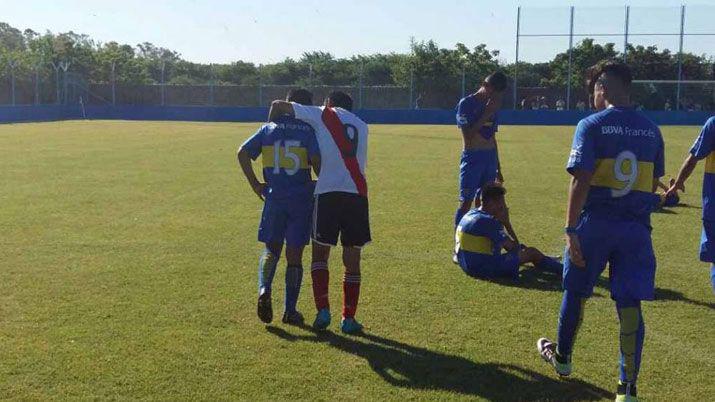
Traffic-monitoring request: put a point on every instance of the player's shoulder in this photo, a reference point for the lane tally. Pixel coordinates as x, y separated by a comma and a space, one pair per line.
710, 124
348, 116
468, 101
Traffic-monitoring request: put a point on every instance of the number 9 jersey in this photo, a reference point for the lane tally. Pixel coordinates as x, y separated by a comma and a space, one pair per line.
624, 151
286, 146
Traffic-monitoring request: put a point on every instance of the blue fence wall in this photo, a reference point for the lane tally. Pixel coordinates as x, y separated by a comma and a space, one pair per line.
13, 114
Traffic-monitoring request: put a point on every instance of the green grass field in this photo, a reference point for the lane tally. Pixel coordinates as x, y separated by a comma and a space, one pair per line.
128, 271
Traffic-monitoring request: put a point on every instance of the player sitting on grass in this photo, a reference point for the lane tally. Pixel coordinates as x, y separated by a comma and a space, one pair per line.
480, 238
615, 162
288, 147
479, 164
704, 147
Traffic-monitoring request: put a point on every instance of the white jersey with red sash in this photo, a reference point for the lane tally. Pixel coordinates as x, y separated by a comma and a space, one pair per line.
342, 138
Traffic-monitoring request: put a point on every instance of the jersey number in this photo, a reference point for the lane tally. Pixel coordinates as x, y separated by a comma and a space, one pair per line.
287, 145
628, 178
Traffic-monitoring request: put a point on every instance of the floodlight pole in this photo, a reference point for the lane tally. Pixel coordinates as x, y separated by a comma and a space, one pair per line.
680, 56
56, 66
211, 87
464, 81
625, 34
568, 85
260, 85
516, 61
65, 65
412, 85
360, 82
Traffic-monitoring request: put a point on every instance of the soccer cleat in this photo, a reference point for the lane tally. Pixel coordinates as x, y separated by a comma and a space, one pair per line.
626, 392
547, 350
455, 259
293, 318
322, 320
350, 326
265, 308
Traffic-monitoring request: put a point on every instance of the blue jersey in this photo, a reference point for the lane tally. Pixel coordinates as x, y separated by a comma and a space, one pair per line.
704, 147
624, 151
480, 238
286, 146
469, 110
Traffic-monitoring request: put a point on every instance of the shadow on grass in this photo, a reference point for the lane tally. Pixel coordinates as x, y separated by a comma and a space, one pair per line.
665, 211
673, 295
407, 366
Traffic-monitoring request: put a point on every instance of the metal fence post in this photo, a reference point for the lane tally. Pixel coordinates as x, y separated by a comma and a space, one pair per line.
625, 34
516, 62
680, 56
163, 95
211, 85
65, 65
568, 85
412, 86
114, 85
360, 83
37, 84
260, 85
11, 64
464, 81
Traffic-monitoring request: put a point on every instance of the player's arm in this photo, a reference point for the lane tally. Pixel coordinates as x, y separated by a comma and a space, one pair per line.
685, 171
280, 108
244, 160
490, 110
505, 220
578, 193
500, 175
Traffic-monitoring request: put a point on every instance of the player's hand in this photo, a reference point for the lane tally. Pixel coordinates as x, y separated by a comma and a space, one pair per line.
573, 248
259, 188
677, 186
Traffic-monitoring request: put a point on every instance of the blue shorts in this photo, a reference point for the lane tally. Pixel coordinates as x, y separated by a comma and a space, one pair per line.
286, 219
503, 266
476, 168
707, 242
627, 248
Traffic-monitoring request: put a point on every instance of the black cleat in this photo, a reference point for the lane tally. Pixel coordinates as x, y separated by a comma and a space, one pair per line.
265, 307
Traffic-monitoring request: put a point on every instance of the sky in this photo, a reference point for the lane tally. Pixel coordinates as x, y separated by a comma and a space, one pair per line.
221, 31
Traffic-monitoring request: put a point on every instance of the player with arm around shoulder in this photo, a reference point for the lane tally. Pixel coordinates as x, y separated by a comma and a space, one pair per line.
481, 237
288, 148
341, 203
615, 162
703, 148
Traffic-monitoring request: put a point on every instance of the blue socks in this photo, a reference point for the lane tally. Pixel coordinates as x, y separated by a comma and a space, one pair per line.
294, 278
570, 318
458, 217
631, 339
550, 264
266, 271
712, 276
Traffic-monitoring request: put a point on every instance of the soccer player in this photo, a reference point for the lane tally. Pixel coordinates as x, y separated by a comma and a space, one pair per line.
704, 147
288, 148
341, 204
481, 237
479, 164
615, 162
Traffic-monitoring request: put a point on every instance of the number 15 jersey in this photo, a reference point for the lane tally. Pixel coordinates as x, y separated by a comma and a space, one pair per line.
624, 151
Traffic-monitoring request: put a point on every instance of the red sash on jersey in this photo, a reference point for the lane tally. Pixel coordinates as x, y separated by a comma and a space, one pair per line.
337, 131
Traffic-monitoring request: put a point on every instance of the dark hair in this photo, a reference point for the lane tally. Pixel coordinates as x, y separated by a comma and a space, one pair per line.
491, 191
609, 68
497, 81
300, 95
341, 99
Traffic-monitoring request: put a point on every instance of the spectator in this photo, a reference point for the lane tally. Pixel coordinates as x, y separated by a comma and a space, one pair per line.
581, 106
535, 104
543, 104
560, 104
668, 107
523, 103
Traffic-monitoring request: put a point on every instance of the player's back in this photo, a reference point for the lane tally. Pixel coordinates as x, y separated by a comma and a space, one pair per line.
287, 144
627, 156
478, 239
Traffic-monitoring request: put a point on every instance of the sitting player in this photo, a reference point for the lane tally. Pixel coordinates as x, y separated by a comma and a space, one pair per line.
481, 237
289, 148
479, 164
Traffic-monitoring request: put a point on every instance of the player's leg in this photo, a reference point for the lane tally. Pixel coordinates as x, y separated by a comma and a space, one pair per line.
707, 248
540, 260
355, 234
632, 278
578, 285
632, 334
469, 176
325, 232
297, 237
271, 232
